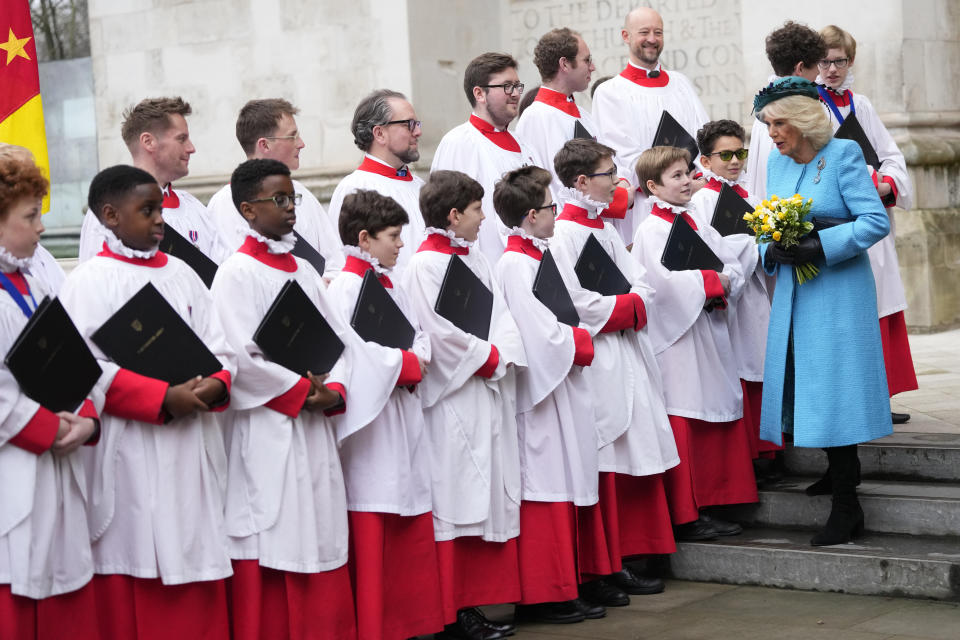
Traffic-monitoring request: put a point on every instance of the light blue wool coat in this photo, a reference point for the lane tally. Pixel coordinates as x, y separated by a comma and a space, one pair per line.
840, 391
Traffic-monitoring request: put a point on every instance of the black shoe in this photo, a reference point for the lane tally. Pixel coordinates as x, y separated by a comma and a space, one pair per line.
589, 610
551, 612
505, 628
470, 625
722, 527
899, 418
695, 531
603, 593
635, 584
767, 471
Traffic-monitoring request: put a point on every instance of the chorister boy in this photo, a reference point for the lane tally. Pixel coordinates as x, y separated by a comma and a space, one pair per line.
156, 477
635, 442
386, 464
286, 514
45, 563
723, 158
689, 332
558, 446
468, 405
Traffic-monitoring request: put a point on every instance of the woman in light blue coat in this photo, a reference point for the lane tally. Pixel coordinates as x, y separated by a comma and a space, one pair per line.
824, 377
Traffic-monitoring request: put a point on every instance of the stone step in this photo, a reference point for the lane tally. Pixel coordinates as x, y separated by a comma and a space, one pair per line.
902, 456
905, 566
911, 508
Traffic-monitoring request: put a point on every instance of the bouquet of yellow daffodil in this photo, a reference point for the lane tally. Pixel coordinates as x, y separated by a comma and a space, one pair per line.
782, 220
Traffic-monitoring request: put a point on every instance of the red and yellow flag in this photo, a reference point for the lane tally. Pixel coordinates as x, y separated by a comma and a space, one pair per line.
21, 111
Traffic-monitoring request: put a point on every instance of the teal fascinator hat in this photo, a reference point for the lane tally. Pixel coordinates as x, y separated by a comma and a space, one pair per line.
788, 86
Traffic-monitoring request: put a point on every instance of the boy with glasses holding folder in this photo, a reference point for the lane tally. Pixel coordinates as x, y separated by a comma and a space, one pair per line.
689, 334
386, 464
286, 513
468, 407
635, 444
155, 497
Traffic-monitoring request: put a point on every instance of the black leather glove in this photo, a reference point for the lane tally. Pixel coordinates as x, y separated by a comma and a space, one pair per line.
808, 250
776, 253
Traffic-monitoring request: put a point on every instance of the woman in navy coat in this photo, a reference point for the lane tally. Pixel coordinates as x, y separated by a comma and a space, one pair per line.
824, 377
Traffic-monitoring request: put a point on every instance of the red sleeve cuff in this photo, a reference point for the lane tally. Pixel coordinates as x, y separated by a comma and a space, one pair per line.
891, 198
223, 376
409, 370
624, 314
711, 284
136, 397
617, 208
583, 347
87, 410
342, 405
291, 402
38, 434
490, 366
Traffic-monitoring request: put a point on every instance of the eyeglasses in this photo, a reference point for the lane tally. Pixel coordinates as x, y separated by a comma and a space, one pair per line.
610, 174
840, 63
508, 87
282, 200
727, 155
293, 137
552, 206
412, 124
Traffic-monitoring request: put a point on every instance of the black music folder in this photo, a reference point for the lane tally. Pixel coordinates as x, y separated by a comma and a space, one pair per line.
851, 130
580, 131
176, 245
294, 333
377, 317
464, 300
671, 134
728, 214
686, 250
147, 336
597, 271
549, 288
303, 249
51, 361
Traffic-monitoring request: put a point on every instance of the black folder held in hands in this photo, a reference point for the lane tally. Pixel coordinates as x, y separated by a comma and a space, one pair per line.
685, 250
303, 249
294, 333
51, 361
580, 131
464, 300
671, 134
147, 336
549, 288
377, 318
597, 271
728, 214
176, 245
851, 130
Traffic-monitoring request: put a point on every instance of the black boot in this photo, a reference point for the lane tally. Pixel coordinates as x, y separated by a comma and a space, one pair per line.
846, 516
824, 486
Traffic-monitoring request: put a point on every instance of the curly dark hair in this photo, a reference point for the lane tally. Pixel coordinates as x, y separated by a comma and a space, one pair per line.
446, 190
113, 184
555, 44
519, 191
368, 210
708, 134
248, 177
793, 43
19, 178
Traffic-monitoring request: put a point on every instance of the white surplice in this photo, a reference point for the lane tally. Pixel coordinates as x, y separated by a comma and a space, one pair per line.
693, 347
558, 444
464, 148
755, 173
44, 549
45, 268
312, 224
629, 416
748, 315
155, 492
470, 421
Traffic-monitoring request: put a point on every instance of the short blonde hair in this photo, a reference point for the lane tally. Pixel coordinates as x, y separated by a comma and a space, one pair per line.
653, 162
805, 114
836, 38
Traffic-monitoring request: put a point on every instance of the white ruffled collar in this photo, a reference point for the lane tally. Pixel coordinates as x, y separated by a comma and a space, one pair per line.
730, 183
540, 243
455, 240
670, 207
360, 254
116, 245
10, 263
846, 84
575, 197
276, 247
